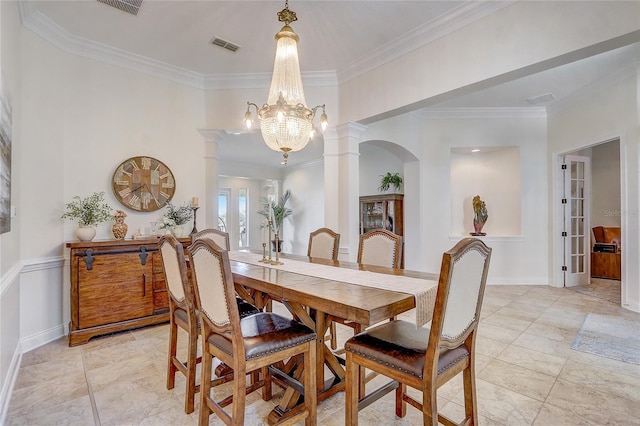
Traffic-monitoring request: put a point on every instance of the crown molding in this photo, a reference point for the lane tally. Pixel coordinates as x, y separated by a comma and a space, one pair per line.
594, 87
465, 14
35, 21
38, 23
483, 113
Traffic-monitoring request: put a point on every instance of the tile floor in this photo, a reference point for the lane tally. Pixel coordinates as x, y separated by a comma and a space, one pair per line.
527, 374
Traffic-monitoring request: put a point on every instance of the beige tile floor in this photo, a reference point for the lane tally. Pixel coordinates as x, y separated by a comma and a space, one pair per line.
527, 374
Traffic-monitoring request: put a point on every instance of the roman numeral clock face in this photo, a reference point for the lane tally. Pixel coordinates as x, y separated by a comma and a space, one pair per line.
143, 184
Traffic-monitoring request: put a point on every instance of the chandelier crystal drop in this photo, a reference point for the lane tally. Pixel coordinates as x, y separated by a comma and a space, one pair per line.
285, 121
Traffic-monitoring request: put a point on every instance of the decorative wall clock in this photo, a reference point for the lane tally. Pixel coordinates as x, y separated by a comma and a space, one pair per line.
143, 184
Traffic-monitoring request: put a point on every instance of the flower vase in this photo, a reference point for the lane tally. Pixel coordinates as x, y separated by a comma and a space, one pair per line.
120, 228
273, 245
86, 233
477, 226
177, 231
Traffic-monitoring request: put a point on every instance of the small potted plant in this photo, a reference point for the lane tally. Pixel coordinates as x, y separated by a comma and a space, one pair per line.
277, 212
174, 217
388, 180
89, 212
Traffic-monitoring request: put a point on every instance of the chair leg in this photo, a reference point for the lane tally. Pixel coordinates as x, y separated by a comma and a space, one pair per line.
239, 396
191, 372
429, 405
205, 386
173, 343
470, 401
266, 389
352, 391
310, 394
401, 405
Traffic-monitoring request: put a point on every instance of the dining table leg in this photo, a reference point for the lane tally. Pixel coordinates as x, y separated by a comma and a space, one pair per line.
317, 320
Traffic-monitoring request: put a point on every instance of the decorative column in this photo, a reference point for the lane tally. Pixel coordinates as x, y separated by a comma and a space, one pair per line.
211, 139
342, 185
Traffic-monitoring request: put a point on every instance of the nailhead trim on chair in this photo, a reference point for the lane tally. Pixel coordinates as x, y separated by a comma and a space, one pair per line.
386, 364
310, 338
280, 348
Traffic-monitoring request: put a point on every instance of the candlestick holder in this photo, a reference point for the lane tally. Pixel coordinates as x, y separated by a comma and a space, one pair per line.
264, 253
269, 226
195, 210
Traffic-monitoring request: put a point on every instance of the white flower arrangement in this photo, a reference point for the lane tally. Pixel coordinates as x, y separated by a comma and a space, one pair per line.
176, 216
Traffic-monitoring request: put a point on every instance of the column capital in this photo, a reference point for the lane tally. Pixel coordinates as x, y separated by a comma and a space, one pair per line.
211, 135
350, 129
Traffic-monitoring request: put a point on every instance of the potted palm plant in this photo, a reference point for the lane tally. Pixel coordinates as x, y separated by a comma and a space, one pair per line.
89, 212
277, 212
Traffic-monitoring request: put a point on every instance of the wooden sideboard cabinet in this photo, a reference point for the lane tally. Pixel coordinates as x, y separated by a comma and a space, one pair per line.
115, 285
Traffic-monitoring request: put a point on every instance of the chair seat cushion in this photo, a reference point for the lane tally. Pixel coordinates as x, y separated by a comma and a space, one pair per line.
245, 308
399, 345
183, 318
266, 333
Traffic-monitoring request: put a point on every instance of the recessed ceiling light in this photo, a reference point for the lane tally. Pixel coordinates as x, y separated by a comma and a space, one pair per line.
475, 150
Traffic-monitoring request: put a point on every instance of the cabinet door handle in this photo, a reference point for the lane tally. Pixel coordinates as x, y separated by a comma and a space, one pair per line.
144, 285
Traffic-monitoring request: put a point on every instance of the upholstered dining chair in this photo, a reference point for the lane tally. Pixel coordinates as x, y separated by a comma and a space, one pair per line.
380, 248
221, 238
323, 244
182, 313
249, 344
423, 358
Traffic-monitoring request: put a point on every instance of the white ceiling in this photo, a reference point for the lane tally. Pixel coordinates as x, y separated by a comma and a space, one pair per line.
336, 38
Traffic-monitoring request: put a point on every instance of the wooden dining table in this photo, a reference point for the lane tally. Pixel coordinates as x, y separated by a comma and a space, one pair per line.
317, 302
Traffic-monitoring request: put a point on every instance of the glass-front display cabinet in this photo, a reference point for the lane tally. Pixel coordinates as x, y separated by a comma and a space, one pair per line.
382, 212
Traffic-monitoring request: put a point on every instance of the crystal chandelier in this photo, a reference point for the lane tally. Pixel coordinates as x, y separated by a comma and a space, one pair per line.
285, 121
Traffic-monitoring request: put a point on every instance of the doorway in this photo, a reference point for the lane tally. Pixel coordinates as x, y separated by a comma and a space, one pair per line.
602, 210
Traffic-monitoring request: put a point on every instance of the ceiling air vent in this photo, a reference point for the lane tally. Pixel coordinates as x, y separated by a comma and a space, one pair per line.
129, 6
225, 44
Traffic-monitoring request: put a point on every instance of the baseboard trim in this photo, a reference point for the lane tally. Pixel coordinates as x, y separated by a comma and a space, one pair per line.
7, 388
42, 338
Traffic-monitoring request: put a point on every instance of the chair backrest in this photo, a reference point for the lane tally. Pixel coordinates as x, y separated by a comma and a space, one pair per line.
323, 243
214, 289
219, 237
380, 248
175, 271
463, 277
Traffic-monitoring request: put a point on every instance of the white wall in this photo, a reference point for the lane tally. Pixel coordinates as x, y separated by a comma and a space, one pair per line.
375, 162
606, 205
494, 175
501, 46
610, 114
519, 257
306, 183
10, 242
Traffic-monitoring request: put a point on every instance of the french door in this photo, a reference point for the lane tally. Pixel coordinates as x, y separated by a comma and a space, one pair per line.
576, 226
